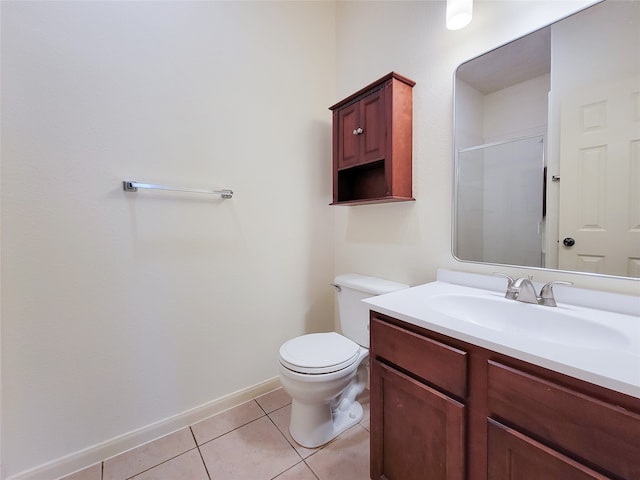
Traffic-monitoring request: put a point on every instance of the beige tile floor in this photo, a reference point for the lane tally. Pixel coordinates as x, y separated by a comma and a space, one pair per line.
248, 442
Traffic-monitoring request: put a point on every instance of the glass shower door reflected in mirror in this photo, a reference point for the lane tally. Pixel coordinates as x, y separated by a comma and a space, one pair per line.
500, 202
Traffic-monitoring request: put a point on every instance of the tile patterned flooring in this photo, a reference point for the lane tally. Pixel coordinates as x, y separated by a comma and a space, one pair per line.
248, 442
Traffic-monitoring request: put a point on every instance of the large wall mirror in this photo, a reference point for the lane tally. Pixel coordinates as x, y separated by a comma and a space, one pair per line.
547, 147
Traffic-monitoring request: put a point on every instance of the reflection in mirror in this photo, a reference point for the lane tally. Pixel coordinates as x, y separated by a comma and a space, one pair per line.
547, 147
497, 182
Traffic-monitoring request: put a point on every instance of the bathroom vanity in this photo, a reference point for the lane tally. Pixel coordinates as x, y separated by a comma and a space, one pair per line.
453, 399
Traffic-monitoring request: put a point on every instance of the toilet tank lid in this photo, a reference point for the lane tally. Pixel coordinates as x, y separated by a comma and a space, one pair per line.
367, 284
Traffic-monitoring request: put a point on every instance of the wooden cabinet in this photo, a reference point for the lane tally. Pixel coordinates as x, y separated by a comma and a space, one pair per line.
442, 409
372, 143
417, 430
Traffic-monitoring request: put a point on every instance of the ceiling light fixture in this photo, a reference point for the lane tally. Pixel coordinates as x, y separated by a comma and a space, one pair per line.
459, 13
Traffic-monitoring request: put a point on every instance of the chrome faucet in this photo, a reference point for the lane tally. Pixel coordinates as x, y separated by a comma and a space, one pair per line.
523, 290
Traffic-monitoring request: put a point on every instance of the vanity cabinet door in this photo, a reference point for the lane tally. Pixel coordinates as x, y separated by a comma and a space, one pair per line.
514, 456
416, 431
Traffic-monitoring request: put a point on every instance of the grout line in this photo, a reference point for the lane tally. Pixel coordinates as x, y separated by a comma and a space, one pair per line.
293, 466
161, 463
311, 469
311, 454
200, 453
232, 430
193, 435
260, 406
284, 436
205, 464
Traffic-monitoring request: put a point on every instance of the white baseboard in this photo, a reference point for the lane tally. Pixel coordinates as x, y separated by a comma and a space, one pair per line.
97, 453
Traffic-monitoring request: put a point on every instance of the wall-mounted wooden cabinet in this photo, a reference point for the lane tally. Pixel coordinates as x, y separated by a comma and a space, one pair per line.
372, 143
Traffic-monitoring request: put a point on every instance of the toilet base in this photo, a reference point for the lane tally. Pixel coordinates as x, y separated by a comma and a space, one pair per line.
314, 425
324, 405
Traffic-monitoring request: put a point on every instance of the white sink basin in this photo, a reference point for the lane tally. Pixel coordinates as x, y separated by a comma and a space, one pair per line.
549, 324
596, 338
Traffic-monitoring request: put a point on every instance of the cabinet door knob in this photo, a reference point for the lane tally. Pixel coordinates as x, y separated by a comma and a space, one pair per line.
358, 131
569, 242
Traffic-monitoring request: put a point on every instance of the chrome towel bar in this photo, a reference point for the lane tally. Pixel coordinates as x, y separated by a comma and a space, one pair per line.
131, 186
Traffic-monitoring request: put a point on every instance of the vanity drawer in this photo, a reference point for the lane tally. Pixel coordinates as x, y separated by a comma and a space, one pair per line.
596, 432
435, 362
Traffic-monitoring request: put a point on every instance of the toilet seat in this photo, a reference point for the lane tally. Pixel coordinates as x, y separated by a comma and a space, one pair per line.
318, 353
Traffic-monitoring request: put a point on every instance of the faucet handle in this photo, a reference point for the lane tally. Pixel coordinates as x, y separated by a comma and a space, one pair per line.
509, 279
511, 293
546, 293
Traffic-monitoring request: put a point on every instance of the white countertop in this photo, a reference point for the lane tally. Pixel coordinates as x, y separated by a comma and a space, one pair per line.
615, 366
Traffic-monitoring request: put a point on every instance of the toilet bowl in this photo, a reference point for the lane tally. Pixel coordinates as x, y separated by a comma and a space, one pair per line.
322, 406
324, 373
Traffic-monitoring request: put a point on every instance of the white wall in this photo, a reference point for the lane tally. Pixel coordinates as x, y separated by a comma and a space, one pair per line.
469, 118
122, 310
517, 111
407, 242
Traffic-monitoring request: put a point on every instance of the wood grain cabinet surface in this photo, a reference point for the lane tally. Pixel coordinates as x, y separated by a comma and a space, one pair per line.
372, 143
513, 455
443, 409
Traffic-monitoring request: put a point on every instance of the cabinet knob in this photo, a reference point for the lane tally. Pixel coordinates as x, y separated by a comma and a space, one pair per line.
358, 131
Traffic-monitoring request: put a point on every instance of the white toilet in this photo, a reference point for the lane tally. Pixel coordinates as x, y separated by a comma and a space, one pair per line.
325, 372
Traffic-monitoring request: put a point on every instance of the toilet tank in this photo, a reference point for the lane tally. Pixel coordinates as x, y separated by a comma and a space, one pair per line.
353, 315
